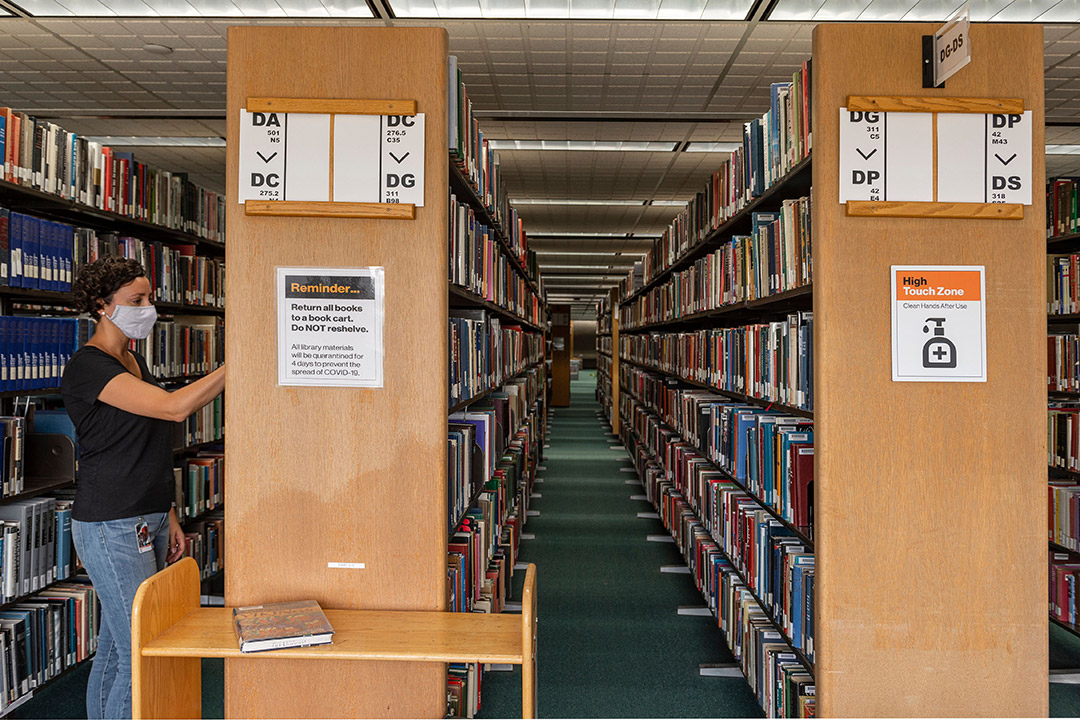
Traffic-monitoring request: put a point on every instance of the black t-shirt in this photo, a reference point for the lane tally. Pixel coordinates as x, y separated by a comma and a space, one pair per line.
125, 461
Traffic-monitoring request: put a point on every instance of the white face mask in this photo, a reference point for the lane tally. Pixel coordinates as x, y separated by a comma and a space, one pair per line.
135, 321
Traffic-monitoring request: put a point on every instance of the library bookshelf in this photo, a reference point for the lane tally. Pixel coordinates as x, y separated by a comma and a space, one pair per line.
930, 564
379, 452
82, 232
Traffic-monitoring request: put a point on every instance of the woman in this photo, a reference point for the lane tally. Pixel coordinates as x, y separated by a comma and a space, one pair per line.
122, 524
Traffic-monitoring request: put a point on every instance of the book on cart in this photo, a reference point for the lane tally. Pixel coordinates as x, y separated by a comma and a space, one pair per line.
275, 626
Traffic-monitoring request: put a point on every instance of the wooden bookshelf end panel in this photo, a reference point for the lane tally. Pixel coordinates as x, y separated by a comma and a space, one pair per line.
339, 474
930, 599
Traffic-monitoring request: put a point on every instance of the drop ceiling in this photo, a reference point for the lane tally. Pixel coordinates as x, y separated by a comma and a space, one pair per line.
550, 79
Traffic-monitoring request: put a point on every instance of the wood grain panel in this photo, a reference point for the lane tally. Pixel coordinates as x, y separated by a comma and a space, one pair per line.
616, 385
322, 475
948, 104
961, 211
560, 359
165, 687
931, 515
303, 208
361, 634
332, 106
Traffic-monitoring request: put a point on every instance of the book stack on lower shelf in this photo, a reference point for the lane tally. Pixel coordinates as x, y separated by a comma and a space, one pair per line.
495, 448
755, 572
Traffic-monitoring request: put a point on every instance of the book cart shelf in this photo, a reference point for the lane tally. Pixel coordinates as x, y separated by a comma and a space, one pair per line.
912, 580
51, 467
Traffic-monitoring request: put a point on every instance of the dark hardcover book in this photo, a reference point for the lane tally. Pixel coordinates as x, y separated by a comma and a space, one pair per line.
281, 625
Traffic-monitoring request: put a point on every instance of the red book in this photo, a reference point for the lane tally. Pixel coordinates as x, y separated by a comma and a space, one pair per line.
802, 481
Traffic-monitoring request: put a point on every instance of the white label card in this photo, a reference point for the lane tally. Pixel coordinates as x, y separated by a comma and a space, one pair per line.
886, 156
402, 176
938, 323
330, 326
984, 158
286, 156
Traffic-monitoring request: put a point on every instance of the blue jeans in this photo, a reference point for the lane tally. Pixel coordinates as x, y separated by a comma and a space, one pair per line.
110, 553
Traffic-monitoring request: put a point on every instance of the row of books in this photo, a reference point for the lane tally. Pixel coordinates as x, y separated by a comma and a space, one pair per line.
36, 548
634, 280
482, 552
41, 155
1063, 436
479, 435
183, 345
734, 519
199, 483
41, 254
35, 350
1063, 284
204, 541
782, 684
1063, 361
772, 145
1064, 513
769, 361
1064, 572
774, 259
205, 425
605, 344
176, 273
1061, 207
472, 154
46, 634
478, 264
483, 352
603, 314
768, 452
12, 452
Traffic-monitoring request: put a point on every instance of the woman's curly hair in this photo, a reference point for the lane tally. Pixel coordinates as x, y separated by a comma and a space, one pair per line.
100, 279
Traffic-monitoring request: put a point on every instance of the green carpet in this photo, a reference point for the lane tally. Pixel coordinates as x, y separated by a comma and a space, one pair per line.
610, 643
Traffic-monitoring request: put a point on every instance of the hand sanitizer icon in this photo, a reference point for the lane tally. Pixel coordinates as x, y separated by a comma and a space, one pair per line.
939, 351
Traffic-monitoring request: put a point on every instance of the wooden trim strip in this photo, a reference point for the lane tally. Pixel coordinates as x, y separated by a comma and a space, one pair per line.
896, 103
968, 211
331, 106
292, 208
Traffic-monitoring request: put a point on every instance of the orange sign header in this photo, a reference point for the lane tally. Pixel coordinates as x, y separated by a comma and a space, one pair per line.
938, 285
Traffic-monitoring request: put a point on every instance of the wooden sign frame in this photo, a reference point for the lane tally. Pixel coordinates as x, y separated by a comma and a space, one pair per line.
935, 105
331, 209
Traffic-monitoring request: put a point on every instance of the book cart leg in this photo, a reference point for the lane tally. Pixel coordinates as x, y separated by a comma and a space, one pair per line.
165, 687
528, 644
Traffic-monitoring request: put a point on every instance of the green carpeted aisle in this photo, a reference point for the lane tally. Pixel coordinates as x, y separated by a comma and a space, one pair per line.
611, 643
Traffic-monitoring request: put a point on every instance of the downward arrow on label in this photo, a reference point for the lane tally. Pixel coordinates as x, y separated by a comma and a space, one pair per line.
864, 155
266, 159
399, 159
1004, 161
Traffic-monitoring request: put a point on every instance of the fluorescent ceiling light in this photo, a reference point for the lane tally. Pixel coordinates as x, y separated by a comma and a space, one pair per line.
669, 203
575, 9
146, 141
583, 145
555, 236
549, 201
544, 267
712, 147
197, 8
591, 253
1063, 149
926, 10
